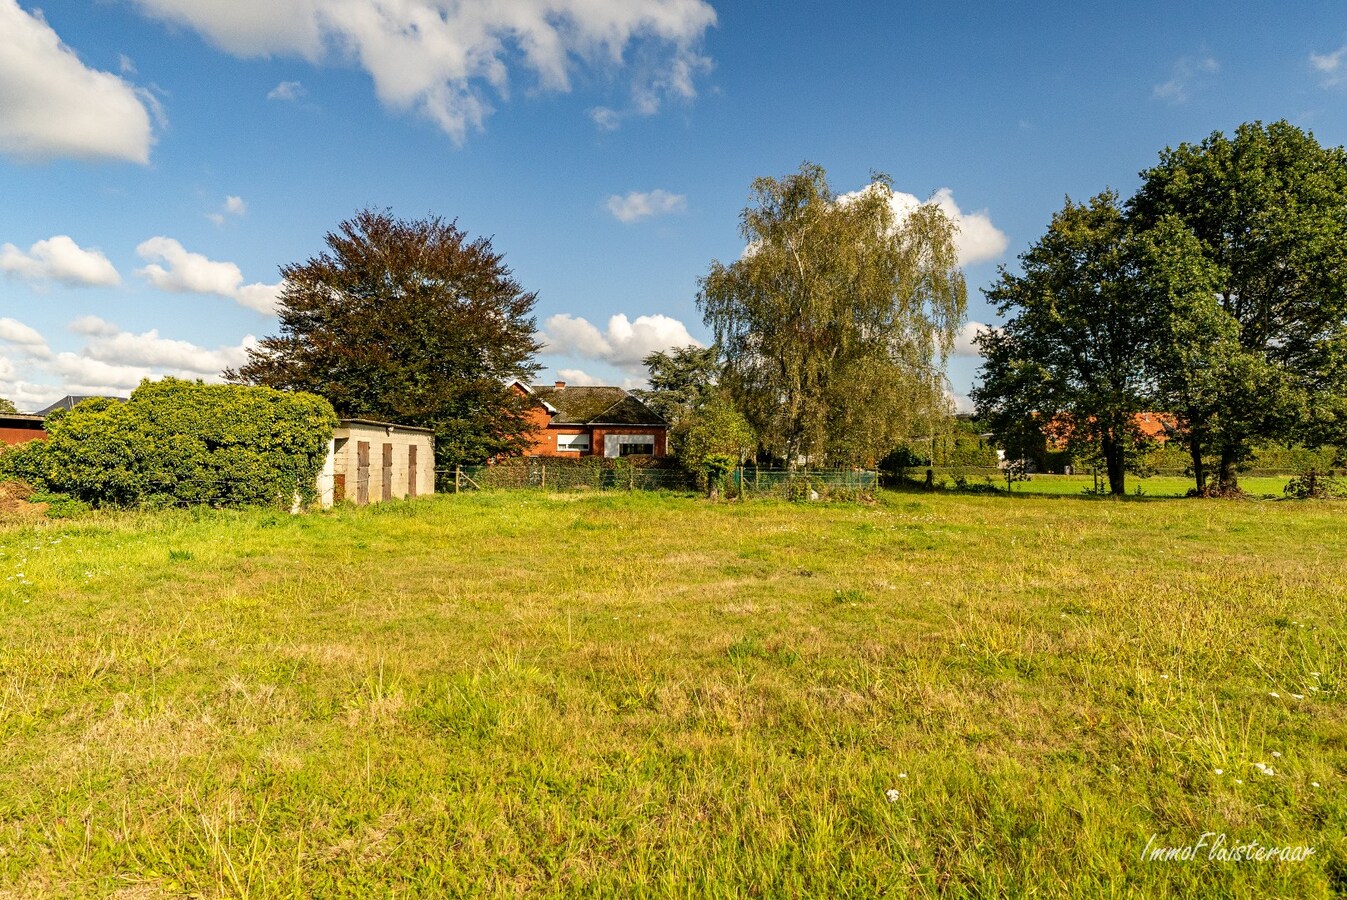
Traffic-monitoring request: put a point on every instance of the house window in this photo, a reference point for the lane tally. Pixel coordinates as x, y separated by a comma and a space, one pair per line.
633, 444
578, 443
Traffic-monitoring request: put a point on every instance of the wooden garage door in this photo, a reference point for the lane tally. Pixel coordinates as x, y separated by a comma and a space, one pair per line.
388, 472
362, 472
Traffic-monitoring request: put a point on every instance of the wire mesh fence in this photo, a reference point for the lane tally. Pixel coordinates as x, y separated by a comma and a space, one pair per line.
540, 473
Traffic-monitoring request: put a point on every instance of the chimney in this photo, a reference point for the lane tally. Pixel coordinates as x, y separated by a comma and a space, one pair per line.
560, 385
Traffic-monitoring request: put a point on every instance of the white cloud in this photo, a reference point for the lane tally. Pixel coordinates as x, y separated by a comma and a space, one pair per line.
192, 273
25, 338
578, 376
1330, 66
52, 105
233, 206
112, 362
125, 64
94, 326
606, 119
1187, 73
963, 343
624, 343
440, 57
181, 357
287, 90
59, 258
639, 205
962, 402
976, 239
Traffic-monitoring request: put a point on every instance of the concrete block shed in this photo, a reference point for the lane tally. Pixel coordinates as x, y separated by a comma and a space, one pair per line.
371, 461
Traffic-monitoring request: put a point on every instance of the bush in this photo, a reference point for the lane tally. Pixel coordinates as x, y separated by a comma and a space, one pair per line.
182, 442
1315, 485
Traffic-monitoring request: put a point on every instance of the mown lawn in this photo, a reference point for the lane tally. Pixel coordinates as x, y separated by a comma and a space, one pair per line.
638, 695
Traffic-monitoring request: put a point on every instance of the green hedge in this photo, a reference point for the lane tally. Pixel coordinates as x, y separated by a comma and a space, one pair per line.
182, 442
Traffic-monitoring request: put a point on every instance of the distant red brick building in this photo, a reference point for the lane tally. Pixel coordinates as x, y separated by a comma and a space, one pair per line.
18, 429
1155, 426
586, 420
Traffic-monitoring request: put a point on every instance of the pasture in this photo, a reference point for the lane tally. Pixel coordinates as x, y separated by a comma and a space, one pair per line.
642, 695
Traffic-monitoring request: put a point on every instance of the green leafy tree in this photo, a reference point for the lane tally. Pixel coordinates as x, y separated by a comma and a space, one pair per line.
680, 379
7, 407
1070, 361
409, 321
836, 322
182, 442
1267, 212
709, 435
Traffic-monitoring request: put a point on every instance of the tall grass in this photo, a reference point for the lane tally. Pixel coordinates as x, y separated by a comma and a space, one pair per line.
641, 695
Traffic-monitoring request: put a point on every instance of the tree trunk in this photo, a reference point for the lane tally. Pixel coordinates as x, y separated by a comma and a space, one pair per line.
1199, 470
1229, 477
1113, 462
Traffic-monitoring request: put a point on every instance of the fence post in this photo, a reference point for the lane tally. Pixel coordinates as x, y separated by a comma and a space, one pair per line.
544, 476
458, 477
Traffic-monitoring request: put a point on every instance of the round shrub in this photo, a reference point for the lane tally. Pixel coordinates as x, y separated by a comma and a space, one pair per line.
183, 442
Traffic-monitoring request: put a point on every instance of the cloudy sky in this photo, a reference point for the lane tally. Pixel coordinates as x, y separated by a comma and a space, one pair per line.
160, 159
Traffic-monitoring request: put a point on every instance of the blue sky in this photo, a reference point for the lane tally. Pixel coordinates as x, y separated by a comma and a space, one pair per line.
160, 159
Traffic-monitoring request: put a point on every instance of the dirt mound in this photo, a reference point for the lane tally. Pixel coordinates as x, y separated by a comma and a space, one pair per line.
14, 502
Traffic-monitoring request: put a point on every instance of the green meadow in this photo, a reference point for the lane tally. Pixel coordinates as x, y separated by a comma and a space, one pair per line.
641, 695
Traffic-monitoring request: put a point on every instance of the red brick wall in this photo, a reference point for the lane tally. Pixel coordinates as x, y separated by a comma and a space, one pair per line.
21, 435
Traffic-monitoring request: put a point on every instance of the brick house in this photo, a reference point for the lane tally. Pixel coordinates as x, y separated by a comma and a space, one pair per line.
586, 420
16, 428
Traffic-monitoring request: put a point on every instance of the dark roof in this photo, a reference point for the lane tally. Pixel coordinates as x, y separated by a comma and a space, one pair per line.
70, 401
594, 405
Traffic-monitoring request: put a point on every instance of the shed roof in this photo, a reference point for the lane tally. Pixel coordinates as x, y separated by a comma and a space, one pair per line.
372, 423
594, 405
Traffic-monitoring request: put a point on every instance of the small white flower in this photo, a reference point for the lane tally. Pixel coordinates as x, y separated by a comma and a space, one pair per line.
902, 774
1220, 771
1166, 677
1277, 754
1298, 696
1314, 784
1316, 674
892, 794
1239, 781
1273, 694
1269, 771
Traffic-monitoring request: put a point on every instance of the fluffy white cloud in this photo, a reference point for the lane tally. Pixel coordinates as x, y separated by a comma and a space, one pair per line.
112, 362
23, 337
578, 376
233, 206
1330, 66
1186, 74
52, 105
624, 343
185, 272
93, 325
181, 357
963, 343
438, 56
59, 258
639, 205
976, 239
287, 90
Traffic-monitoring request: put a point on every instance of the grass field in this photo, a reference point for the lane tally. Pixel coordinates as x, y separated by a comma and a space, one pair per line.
640, 695
1257, 487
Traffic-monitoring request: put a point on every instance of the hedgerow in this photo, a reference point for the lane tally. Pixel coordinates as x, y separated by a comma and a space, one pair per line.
182, 442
